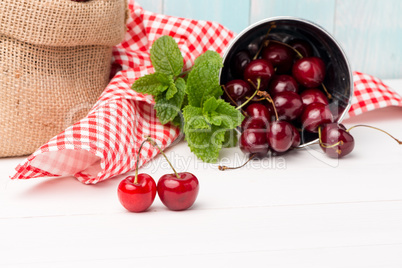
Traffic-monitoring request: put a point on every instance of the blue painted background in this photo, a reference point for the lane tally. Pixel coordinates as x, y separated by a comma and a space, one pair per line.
370, 31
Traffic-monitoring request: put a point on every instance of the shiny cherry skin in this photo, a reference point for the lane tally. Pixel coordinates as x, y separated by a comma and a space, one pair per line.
280, 136
302, 46
281, 83
296, 137
259, 69
309, 72
258, 110
254, 123
238, 89
178, 193
311, 95
280, 56
314, 115
336, 134
289, 105
254, 141
137, 197
239, 62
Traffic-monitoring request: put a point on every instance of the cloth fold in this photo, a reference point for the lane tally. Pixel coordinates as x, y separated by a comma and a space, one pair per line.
105, 143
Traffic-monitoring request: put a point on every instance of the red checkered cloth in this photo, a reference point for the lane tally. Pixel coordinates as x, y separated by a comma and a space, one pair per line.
106, 142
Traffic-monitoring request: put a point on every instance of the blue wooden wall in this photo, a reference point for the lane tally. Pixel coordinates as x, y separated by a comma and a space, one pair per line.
370, 31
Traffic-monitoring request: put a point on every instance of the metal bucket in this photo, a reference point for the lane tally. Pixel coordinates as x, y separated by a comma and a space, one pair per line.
339, 77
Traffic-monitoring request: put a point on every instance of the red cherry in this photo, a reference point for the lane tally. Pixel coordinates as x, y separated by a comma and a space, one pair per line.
238, 89
178, 193
288, 104
309, 72
335, 141
258, 110
239, 62
261, 70
137, 197
254, 123
296, 137
280, 136
254, 141
314, 115
282, 83
313, 95
303, 47
279, 55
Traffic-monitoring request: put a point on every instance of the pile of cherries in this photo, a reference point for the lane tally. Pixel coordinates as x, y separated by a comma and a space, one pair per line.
279, 88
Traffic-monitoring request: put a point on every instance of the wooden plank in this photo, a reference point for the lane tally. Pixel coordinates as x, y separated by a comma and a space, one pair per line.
151, 5
234, 14
371, 33
320, 12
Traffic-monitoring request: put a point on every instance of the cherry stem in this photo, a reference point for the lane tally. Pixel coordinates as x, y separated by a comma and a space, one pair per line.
322, 144
252, 96
138, 162
263, 41
153, 143
222, 168
232, 100
269, 99
286, 45
398, 141
326, 91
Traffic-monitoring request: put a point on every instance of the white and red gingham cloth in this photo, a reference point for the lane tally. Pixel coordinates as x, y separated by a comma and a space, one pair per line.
106, 142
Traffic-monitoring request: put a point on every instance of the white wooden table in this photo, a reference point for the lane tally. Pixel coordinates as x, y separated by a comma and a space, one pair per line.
298, 210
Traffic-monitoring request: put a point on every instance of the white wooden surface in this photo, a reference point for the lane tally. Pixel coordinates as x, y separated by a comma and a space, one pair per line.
298, 210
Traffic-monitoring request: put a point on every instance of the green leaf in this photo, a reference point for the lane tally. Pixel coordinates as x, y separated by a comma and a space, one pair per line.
194, 118
166, 56
203, 82
205, 143
152, 84
171, 91
231, 138
168, 109
220, 113
208, 55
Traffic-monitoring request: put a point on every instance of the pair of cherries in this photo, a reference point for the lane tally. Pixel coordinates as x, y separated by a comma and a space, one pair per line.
177, 191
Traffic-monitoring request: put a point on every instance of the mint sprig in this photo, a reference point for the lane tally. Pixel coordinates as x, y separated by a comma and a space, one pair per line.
191, 99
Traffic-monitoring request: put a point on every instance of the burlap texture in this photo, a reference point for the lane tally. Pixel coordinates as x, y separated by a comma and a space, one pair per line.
51, 72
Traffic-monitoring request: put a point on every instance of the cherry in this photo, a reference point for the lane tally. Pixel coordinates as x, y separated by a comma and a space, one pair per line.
254, 123
137, 193
302, 46
258, 110
178, 191
238, 89
288, 104
313, 95
279, 55
282, 83
314, 115
259, 72
309, 72
280, 136
239, 62
335, 140
296, 137
254, 142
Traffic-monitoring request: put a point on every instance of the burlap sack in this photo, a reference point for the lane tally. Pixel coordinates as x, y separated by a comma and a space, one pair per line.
54, 63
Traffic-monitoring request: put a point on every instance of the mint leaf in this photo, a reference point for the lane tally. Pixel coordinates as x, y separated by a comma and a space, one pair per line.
208, 55
231, 138
221, 113
168, 109
205, 143
152, 83
194, 118
203, 82
171, 91
166, 56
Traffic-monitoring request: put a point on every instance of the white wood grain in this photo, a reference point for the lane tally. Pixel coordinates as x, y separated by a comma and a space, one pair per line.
152, 5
